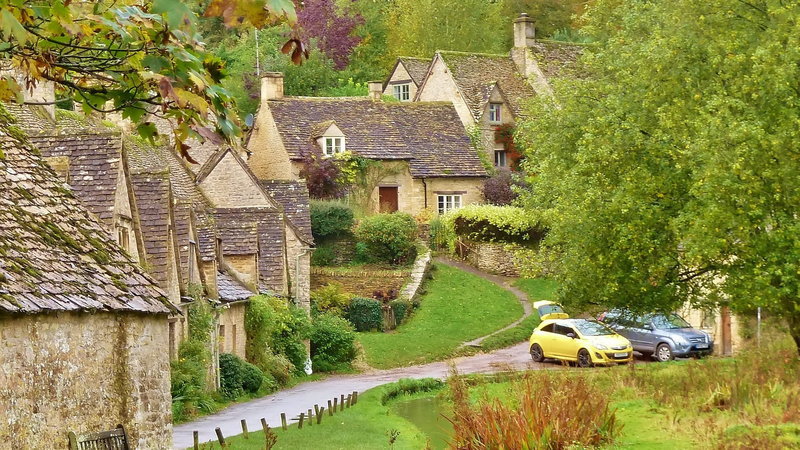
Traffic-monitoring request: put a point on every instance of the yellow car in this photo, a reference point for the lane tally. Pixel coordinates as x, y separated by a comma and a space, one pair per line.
584, 341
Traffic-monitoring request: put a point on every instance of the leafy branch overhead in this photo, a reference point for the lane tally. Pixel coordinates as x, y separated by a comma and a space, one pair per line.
132, 57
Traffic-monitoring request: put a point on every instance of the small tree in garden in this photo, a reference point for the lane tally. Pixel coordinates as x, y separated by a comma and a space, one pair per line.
330, 218
388, 238
322, 176
502, 188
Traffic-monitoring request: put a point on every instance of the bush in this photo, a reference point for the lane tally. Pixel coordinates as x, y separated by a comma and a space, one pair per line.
330, 218
365, 314
442, 236
409, 386
275, 327
333, 343
400, 308
492, 223
388, 238
330, 298
323, 256
502, 188
279, 368
252, 378
231, 369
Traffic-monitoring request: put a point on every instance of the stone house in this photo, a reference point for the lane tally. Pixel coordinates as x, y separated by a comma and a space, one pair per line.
489, 91
406, 77
427, 159
83, 327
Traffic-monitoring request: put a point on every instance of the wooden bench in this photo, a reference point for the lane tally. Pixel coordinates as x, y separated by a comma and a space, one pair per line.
115, 439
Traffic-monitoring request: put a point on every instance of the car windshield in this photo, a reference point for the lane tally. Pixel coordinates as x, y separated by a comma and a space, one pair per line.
592, 328
669, 322
550, 309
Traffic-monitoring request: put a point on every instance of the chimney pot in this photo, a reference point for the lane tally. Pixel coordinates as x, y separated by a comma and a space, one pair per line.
375, 89
524, 31
271, 86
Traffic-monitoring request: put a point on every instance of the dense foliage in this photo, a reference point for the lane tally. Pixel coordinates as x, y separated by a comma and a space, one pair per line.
333, 343
495, 223
275, 335
388, 238
188, 372
365, 314
330, 299
330, 218
502, 188
238, 376
687, 192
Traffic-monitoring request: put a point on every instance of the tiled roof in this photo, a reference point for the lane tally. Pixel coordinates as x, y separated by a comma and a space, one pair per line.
32, 119
183, 219
476, 74
206, 236
428, 134
270, 235
152, 193
230, 289
558, 59
93, 166
293, 197
416, 67
54, 256
143, 157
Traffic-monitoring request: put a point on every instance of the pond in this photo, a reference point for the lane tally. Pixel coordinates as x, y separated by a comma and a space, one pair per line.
426, 414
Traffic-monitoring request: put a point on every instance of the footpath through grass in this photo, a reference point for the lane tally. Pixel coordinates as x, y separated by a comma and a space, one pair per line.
456, 308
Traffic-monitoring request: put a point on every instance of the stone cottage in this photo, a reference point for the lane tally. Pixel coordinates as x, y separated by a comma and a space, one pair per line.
83, 327
488, 91
427, 159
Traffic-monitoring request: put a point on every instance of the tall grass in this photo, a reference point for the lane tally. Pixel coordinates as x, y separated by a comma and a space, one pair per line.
551, 411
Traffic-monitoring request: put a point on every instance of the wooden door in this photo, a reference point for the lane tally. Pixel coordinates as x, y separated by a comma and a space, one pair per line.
387, 199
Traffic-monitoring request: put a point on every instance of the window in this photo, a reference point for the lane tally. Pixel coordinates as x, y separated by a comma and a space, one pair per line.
449, 202
222, 338
172, 346
500, 158
548, 328
562, 330
333, 145
402, 92
123, 238
494, 112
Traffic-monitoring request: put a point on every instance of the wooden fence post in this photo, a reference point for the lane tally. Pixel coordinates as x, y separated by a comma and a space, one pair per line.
335, 404
300, 424
244, 429
316, 410
283, 421
355, 397
264, 426
341, 403
220, 437
310, 421
320, 414
196, 438
349, 396
330, 408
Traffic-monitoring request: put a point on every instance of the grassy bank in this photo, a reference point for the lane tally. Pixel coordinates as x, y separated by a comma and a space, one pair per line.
456, 308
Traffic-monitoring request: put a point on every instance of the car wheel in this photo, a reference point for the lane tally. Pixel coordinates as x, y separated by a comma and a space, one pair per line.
537, 354
664, 353
584, 358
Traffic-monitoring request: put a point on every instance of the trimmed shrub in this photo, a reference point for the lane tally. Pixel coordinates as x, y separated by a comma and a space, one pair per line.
490, 223
388, 238
330, 298
330, 218
252, 377
279, 368
400, 308
333, 343
231, 370
323, 256
365, 314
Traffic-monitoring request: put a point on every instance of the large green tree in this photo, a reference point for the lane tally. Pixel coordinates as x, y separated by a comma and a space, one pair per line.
671, 173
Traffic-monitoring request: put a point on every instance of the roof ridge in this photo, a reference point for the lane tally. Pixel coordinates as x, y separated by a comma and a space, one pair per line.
308, 97
414, 57
455, 52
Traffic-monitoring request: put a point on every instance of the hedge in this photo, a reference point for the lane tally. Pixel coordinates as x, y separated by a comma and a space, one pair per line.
491, 223
365, 314
330, 218
388, 238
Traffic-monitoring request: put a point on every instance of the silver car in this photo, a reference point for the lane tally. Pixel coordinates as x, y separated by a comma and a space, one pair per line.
664, 336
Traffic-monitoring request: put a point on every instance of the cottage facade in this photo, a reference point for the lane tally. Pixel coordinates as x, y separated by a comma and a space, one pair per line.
83, 327
427, 161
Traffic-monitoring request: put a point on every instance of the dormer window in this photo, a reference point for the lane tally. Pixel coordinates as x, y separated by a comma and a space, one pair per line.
333, 145
402, 92
494, 112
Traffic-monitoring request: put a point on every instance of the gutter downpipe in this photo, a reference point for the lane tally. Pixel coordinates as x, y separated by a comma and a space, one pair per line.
425, 186
305, 250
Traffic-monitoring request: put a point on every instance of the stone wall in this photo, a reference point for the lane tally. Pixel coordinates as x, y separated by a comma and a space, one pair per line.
496, 258
360, 282
84, 372
231, 323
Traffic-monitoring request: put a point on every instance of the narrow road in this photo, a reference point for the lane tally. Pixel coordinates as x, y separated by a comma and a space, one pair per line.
503, 282
302, 397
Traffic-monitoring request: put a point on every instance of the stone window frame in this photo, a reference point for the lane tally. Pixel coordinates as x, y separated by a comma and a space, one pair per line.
449, 201
500, 158
333, 145
402, 91
495, 113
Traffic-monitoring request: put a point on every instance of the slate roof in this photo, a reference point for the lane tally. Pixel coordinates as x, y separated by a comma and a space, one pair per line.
230, 289
292, 195
476, 74
267, 228
32, 119
428, 134
94, 161
416, 67
54, 256
152, 193
558, 59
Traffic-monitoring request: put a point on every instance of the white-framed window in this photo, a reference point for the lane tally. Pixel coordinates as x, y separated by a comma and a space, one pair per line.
500, 158
494, 112
402, 92
448, 202
333, 145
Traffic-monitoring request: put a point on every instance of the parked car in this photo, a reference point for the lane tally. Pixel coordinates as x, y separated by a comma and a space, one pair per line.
584, 341
549, 310
664, 336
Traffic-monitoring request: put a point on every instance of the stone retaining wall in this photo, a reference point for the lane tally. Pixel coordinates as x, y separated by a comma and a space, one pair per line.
496, 258
421, 266
360, 282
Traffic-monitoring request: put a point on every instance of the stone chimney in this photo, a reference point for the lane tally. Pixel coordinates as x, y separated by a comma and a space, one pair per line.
375, 89
524, 31
271, 86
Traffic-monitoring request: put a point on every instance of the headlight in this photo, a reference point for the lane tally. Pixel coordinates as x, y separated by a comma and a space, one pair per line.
600, 347
680, 340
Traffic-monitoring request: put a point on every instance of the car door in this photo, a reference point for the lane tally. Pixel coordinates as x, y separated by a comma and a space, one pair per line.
545, 339
563, 345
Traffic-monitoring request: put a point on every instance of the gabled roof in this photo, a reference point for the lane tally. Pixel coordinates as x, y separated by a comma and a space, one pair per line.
293, 197
230, 289
428, 134
153, 198
558, 59
475, 74
94, 161
417, 68
54, 256
211, 164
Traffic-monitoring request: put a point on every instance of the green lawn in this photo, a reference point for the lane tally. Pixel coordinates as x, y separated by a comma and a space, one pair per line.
456, 308
537, 288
